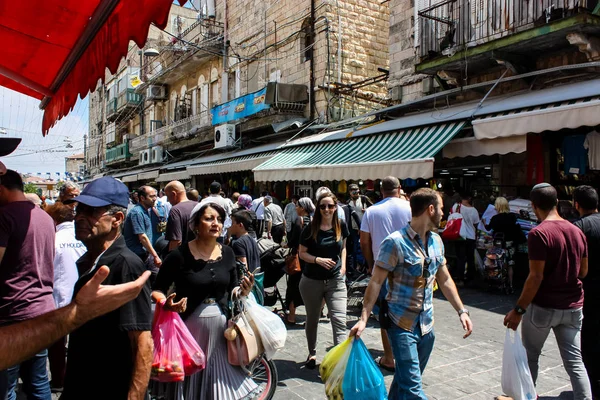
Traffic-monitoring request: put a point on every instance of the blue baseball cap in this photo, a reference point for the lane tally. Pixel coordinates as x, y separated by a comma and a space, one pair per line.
103, 192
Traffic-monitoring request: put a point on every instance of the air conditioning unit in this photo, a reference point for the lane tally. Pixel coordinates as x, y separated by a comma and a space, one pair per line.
157, 154
224, 136
145, 157
156, 92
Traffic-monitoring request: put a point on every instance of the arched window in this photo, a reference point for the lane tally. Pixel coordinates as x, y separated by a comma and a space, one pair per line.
308, 40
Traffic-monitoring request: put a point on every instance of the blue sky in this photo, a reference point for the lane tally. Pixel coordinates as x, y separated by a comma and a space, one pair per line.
20, 116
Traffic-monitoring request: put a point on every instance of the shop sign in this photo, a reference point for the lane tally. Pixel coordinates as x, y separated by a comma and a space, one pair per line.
241, 107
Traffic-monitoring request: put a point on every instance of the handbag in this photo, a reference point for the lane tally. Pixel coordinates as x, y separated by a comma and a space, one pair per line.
292, 263
452, 231
247, 345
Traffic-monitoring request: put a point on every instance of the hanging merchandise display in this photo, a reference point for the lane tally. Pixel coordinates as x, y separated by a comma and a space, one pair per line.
592, 144
342, 186
535, 160
575, 155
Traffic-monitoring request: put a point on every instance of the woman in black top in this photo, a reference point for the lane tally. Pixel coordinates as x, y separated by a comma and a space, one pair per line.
506, 224
205, 276
323, 249
304, 208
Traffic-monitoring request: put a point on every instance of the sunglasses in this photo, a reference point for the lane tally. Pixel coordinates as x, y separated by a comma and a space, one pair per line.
426, 272
326, 206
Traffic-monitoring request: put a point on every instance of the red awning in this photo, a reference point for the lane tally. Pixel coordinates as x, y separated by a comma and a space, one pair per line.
56, 50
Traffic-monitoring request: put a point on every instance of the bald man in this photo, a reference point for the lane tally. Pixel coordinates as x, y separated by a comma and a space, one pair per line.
177, 224
2, 168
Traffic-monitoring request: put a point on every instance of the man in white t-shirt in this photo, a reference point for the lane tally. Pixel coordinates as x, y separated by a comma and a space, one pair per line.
215, 197
380, 220
465, 249
259, 208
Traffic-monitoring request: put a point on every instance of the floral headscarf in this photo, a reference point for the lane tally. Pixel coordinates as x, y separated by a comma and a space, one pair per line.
245, 201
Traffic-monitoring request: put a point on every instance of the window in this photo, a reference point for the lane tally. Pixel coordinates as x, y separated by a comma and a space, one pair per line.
307, 41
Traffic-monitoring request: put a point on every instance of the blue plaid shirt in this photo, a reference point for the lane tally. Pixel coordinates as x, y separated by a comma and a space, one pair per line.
411, 276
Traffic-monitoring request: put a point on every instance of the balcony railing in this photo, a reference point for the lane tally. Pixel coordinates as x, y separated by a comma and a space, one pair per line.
177, 130
118, 153
203, 38
451, 25
111, 107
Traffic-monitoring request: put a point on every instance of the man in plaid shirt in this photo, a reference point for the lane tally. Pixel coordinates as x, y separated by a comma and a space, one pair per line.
412, 259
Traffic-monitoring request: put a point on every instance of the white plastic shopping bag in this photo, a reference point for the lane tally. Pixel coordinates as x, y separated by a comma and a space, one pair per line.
270, 327
516, 378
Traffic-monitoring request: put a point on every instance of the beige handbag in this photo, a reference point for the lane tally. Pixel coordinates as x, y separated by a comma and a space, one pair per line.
247, 345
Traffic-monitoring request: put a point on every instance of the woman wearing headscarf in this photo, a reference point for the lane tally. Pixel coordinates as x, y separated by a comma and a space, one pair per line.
305, 209
205, 277
245, 203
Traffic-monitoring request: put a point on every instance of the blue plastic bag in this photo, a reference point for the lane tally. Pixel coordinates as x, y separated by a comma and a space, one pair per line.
362, 379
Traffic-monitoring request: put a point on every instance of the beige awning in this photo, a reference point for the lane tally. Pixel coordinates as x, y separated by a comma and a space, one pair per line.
147, 175
550, 117
130, 178
173, 176
472, 147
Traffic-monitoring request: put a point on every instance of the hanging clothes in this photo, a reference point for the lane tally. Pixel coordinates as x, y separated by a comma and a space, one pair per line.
575, 154
535, 160
592, 144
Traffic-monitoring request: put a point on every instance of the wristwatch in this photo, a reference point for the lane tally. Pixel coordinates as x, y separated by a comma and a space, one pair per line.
520, 310
463, 311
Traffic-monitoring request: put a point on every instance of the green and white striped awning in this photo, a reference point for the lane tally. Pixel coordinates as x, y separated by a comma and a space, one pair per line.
405, 154
549, 117
233, 164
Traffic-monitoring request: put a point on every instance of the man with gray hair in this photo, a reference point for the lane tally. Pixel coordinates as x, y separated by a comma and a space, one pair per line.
274, 219
138, 226
116, 347
380, 220
68, 191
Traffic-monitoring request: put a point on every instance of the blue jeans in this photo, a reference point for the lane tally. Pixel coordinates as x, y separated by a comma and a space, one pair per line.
34, 374
411, 351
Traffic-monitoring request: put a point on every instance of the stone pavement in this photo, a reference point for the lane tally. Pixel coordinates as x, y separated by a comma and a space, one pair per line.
458, 368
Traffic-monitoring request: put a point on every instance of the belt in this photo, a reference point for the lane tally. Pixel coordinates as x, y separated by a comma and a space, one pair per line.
209, 301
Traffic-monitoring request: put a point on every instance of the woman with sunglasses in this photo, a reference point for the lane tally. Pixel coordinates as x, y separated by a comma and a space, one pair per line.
323, 249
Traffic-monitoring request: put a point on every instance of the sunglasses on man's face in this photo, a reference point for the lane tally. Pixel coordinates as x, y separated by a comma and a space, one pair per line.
326, 206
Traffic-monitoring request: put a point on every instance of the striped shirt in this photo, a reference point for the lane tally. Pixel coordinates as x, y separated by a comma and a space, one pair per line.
411, 276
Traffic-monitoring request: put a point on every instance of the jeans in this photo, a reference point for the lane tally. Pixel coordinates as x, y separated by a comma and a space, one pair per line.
590, 345
465, 256
336, 295
34, 375
411, 351
566, 324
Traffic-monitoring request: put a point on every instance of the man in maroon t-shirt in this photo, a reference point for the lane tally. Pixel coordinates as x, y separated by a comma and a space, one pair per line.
552, 298
26, 278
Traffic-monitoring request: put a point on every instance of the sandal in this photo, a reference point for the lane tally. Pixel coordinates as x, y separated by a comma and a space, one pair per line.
285, 319
311, 362
380, 365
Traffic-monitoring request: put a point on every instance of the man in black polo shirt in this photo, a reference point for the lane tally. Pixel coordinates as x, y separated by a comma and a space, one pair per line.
110, 356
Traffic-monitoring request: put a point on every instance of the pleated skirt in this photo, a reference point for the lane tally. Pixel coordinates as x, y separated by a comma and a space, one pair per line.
219, 380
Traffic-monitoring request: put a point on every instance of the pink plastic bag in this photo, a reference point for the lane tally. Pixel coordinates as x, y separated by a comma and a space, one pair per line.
176, 352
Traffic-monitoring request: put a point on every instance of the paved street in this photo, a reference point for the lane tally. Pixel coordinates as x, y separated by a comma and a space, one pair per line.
458, 368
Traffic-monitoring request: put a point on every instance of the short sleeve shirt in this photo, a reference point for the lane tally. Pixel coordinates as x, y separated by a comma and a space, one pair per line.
410, 291
177, 224
100, 350
562, 246
137, 222
389, 215
470, 219
274, 214
325, 246
26, 272
246, 247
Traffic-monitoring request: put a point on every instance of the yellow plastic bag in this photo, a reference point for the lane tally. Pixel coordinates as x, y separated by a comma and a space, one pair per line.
333, 368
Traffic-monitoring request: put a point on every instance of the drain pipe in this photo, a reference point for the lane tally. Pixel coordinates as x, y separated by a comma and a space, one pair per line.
312, 63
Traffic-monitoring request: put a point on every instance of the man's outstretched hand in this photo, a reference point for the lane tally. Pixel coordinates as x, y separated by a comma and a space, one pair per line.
95, 299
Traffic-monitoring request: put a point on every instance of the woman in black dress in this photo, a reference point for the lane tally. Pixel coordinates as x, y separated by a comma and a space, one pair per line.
205, 276
506, 224
304, 208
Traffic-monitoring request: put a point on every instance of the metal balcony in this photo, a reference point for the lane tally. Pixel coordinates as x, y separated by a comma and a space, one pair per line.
453, 29
183, 55
122, 107
118, 153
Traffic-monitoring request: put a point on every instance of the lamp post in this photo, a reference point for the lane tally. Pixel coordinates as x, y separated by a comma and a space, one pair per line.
151, 52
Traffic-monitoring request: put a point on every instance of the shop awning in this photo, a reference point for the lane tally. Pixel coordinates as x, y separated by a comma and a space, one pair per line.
404, 154
130, 178
549, 117
147, 175
173, 176
472, 147
241, 163
57, 50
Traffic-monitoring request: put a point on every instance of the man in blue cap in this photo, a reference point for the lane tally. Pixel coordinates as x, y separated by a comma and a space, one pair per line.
110, 356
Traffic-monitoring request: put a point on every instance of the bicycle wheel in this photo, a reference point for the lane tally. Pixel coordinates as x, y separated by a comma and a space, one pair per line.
264, 372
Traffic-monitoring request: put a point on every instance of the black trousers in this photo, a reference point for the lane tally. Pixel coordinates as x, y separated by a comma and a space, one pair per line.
590, 345
465, 257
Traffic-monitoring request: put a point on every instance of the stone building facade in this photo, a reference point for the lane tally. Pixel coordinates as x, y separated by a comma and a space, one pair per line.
231, 49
